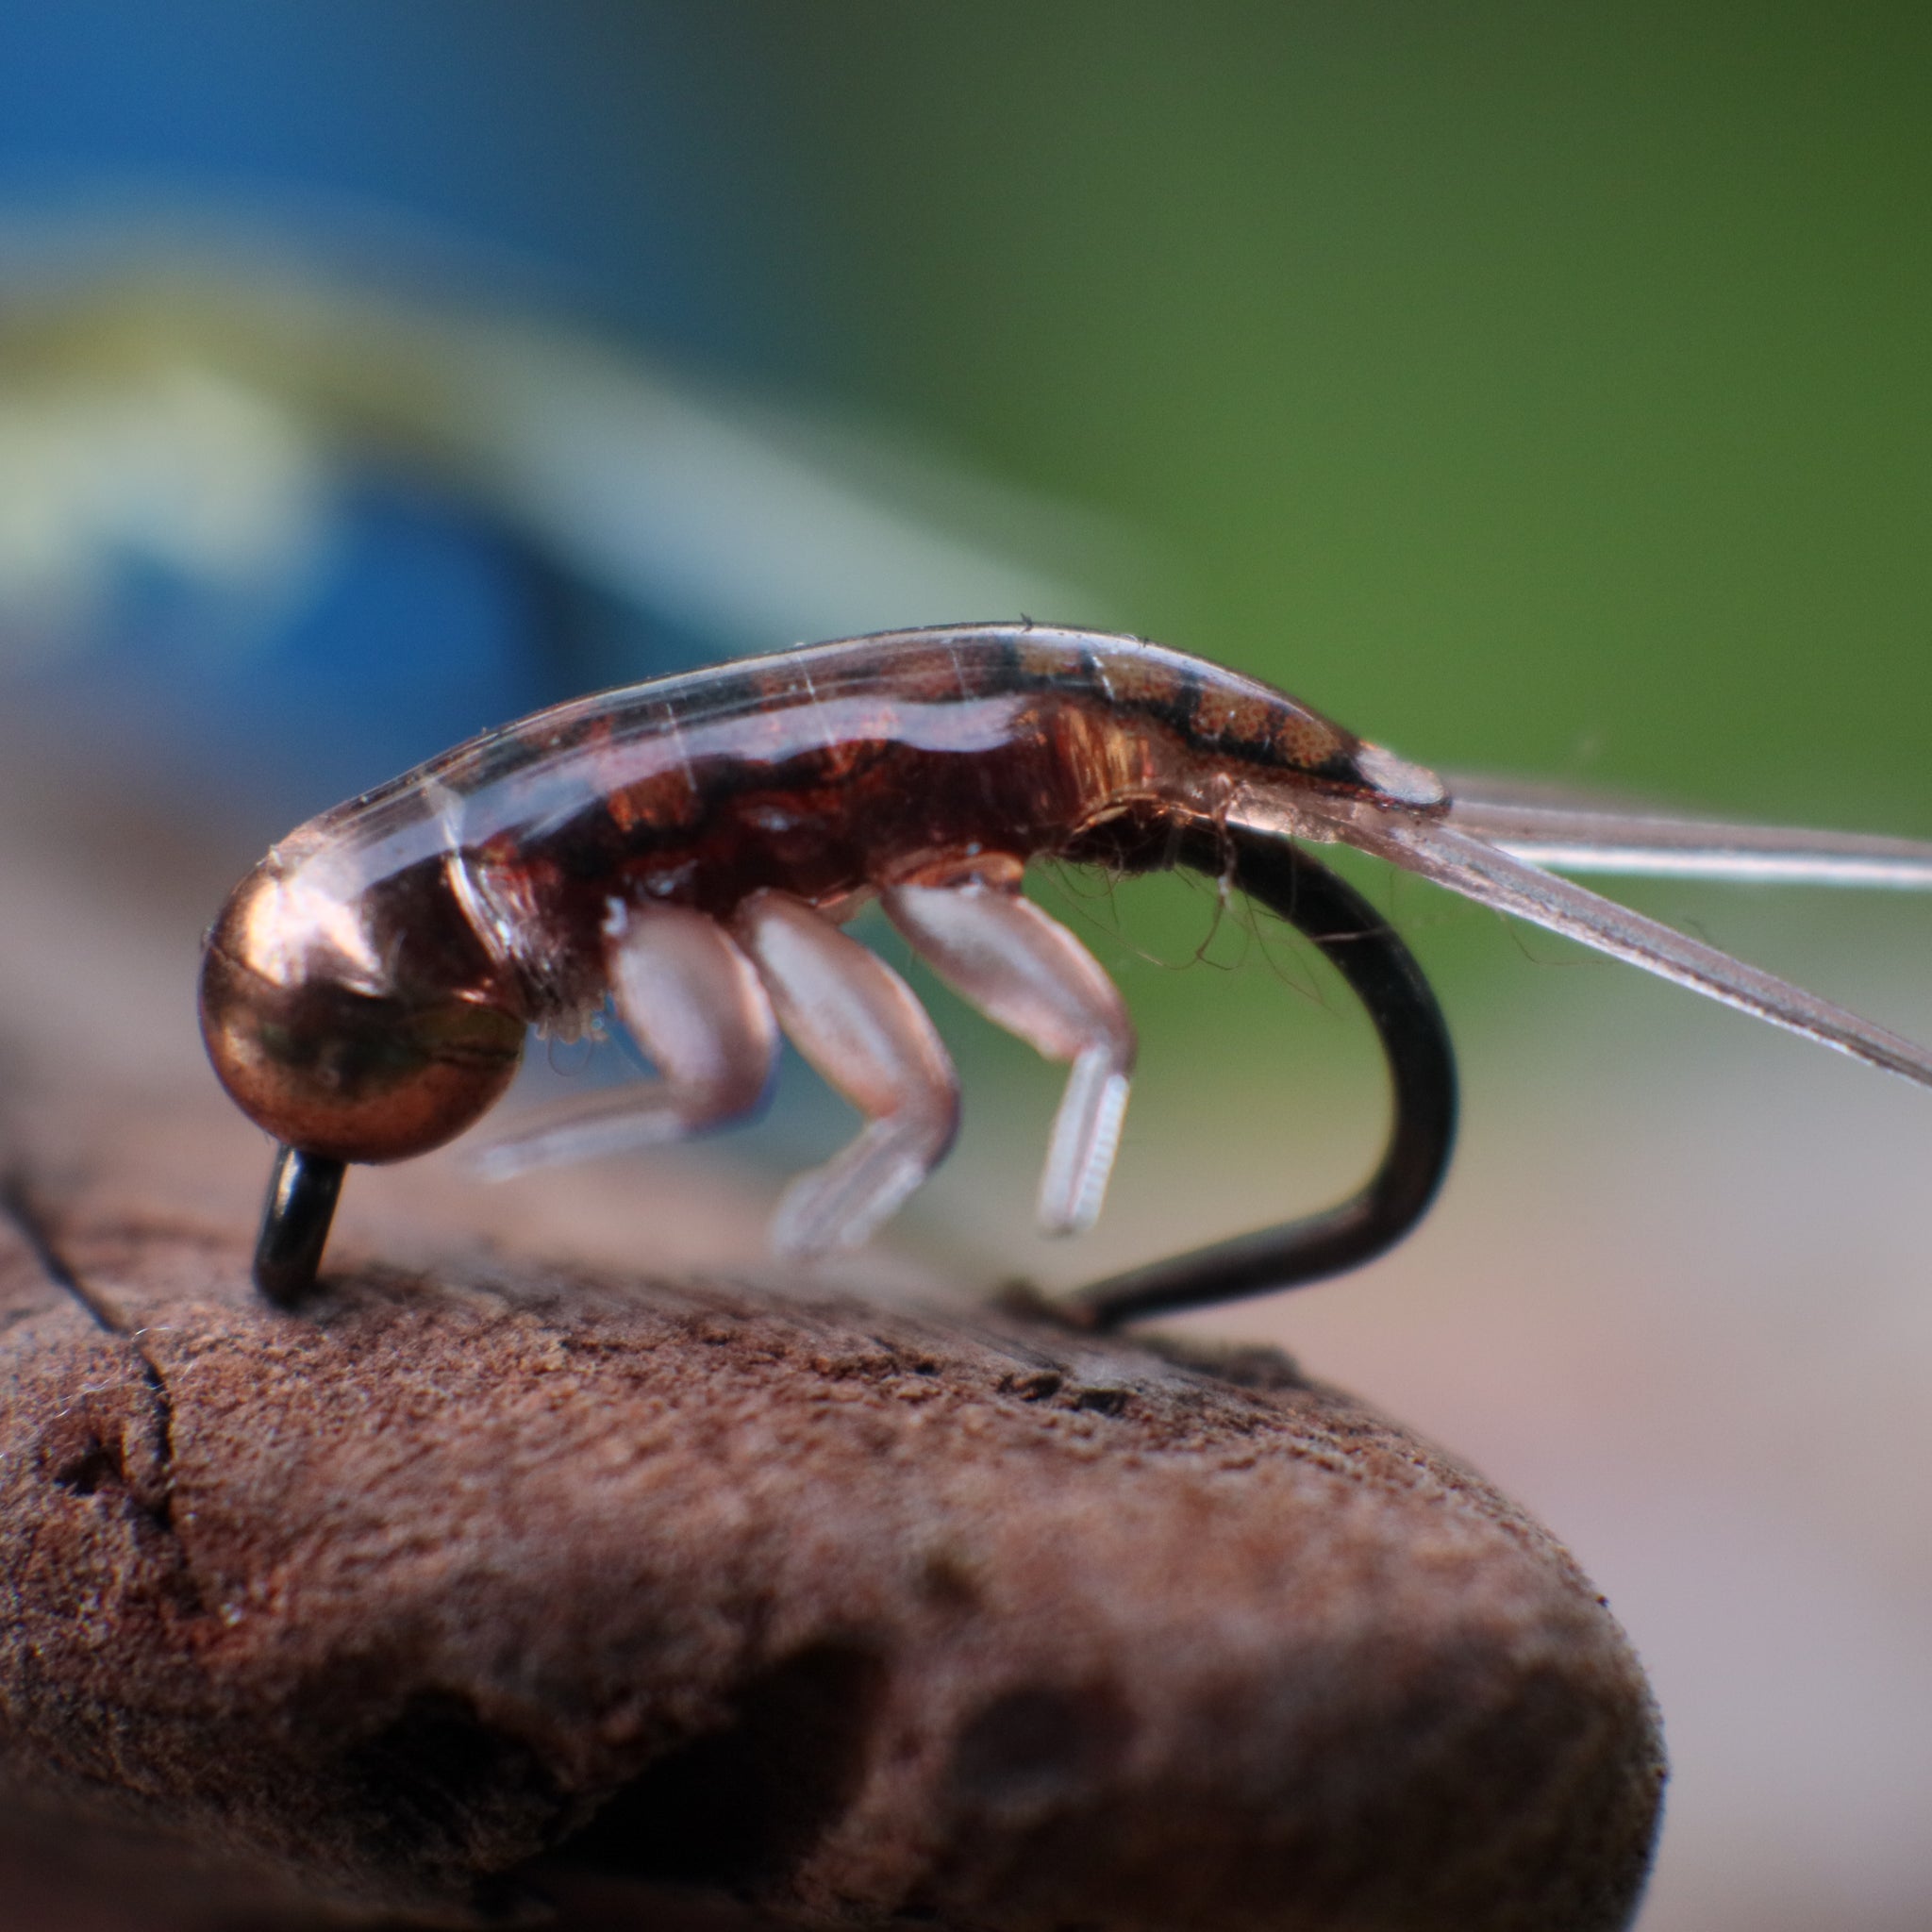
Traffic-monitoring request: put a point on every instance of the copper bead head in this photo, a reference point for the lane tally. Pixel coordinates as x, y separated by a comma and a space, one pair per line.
334, 1039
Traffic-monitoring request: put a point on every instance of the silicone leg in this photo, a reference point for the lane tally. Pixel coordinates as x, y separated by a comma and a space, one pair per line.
859, 1025
1029, 974
692, 1000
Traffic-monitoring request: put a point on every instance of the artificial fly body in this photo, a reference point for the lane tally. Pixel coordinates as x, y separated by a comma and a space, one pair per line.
685, 849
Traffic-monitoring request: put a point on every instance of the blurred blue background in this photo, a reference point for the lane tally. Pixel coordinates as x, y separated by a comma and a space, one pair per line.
248, 255
603, 161
1535, 390
1542, 390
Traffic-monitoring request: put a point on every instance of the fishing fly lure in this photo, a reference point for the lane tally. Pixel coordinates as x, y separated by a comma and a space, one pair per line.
686, 849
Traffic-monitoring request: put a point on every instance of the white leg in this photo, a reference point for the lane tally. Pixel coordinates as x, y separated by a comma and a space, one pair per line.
1032, 976
694, 1005
858, 1024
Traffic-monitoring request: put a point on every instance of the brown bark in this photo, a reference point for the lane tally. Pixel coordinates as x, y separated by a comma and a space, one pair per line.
680, 1603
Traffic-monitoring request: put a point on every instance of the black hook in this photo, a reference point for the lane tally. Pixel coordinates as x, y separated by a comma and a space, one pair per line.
301, 1193
1384, 976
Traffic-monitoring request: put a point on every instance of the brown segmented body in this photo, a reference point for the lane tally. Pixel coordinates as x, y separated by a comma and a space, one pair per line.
821, 772
685, 849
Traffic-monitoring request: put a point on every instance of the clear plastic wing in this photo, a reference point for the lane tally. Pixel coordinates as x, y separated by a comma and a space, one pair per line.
1572, 836
1494, 875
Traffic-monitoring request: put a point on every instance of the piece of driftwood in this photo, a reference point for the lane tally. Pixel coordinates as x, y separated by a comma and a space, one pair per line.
504, 1587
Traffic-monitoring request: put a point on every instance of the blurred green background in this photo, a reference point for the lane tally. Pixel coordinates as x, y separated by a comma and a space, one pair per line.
1536, 390
1540, 388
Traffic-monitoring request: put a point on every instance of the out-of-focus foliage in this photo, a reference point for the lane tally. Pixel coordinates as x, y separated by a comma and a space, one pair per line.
1543, 388
369, 376
1539, 390
195, 426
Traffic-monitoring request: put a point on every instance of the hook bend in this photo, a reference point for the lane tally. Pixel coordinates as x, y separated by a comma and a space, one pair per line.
1384, 976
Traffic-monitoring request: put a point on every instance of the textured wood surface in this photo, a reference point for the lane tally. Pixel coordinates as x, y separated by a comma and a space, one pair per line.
497, 1578
497, 1583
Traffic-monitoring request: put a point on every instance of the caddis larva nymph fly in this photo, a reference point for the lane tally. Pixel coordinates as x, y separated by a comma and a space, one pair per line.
686, 850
